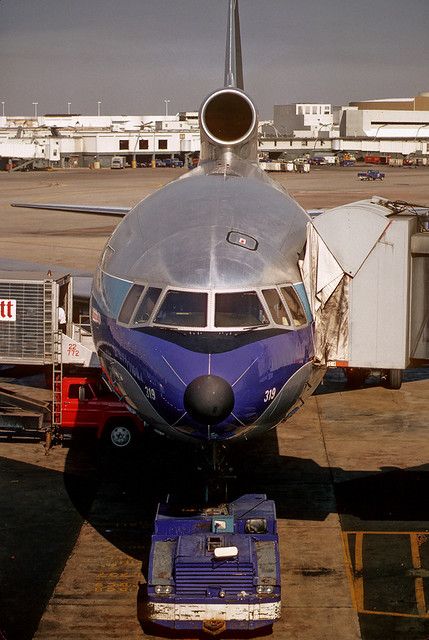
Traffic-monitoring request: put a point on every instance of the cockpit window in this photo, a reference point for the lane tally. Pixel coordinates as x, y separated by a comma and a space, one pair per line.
295, 306
147, 305
130, 303
183, 309
240, 309
276, 307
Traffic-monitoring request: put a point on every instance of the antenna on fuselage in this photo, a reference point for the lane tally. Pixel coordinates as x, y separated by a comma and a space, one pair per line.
233, 59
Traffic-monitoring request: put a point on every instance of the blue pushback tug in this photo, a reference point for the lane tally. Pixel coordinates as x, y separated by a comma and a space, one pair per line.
216, 568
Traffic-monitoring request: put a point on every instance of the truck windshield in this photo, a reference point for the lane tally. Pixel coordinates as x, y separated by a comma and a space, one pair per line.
183, 309
240, 309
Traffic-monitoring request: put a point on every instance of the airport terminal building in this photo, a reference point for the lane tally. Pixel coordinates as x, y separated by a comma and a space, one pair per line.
79, 141
394, 127
389, 126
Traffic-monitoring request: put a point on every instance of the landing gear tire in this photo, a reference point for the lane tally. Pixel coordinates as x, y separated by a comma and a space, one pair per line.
120, 436
394, 378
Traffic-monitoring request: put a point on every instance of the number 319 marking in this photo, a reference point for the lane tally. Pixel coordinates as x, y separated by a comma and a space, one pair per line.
270, 394
150, 393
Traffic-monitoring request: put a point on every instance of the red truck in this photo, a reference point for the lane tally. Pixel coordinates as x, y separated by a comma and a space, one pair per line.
87, 403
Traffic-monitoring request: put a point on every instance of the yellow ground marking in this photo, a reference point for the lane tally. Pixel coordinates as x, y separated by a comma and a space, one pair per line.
418, 582
393, 613
349, 567
421, 534
356, 578
358, 581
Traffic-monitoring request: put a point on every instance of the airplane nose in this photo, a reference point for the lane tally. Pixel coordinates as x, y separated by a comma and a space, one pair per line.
209, 399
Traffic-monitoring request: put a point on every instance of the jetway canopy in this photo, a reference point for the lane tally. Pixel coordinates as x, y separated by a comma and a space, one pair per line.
366, 273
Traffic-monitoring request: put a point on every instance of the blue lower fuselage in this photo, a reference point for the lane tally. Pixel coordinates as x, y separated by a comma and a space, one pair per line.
151, 368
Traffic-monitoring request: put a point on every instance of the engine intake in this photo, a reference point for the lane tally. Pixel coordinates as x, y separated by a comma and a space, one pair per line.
228, 117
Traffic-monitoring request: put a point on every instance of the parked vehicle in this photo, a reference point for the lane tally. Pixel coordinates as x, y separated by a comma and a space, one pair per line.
173, 162
214, 569
347, 159
117, 162
322, 160
87, 403
317, 160
371, 174
376, 159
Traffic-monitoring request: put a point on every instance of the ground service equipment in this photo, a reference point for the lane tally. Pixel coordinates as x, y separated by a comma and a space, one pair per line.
216, 568
371, 174
87, 403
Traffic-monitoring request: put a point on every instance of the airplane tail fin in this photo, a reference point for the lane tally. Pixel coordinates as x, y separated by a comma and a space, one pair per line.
228, 116
233, 59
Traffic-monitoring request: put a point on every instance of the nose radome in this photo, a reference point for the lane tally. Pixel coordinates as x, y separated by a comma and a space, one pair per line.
209, 399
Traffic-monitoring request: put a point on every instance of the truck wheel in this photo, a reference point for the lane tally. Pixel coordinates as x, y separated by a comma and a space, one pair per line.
120, 435
394, 378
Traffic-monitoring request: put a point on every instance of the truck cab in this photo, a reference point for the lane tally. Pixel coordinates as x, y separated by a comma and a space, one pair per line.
371, 174
87, 403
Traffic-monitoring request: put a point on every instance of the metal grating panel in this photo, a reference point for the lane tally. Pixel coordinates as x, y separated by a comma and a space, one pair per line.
162, 571
267, 561
23, 339
195, 578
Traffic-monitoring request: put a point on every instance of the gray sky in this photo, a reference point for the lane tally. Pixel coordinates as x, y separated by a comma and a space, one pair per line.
131, 54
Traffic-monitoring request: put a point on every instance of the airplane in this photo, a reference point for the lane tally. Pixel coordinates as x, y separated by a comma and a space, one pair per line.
199, 314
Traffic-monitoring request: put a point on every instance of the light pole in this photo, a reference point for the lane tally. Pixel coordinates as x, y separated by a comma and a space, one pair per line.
98, 108
417, 133
68, 108
166, 105
316, 138
2, 107
376, 133
35, 108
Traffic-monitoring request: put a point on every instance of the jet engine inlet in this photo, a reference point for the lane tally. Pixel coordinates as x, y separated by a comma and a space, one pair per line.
228, 117
209, 399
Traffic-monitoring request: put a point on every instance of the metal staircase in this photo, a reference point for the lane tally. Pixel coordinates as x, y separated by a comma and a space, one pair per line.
57, 388
48, 320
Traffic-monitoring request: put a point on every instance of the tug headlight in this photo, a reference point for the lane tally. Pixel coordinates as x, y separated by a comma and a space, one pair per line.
163, 590
264, 589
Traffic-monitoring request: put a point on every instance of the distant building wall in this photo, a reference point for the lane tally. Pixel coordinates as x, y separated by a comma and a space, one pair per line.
418, 103
384, 124
302, 116
380, 105
286, 118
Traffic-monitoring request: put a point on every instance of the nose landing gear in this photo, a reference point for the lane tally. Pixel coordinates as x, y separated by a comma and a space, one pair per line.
217, 473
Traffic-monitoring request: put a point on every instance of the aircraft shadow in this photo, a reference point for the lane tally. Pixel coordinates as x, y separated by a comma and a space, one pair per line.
128, 488
38, 531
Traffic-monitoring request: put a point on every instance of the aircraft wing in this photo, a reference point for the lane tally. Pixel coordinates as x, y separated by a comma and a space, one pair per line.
78, 208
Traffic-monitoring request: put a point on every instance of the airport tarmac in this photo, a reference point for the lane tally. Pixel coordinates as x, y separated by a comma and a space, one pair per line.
349, 472
75, 240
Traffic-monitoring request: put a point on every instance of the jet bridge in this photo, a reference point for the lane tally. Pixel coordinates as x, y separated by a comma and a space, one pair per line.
366, 272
